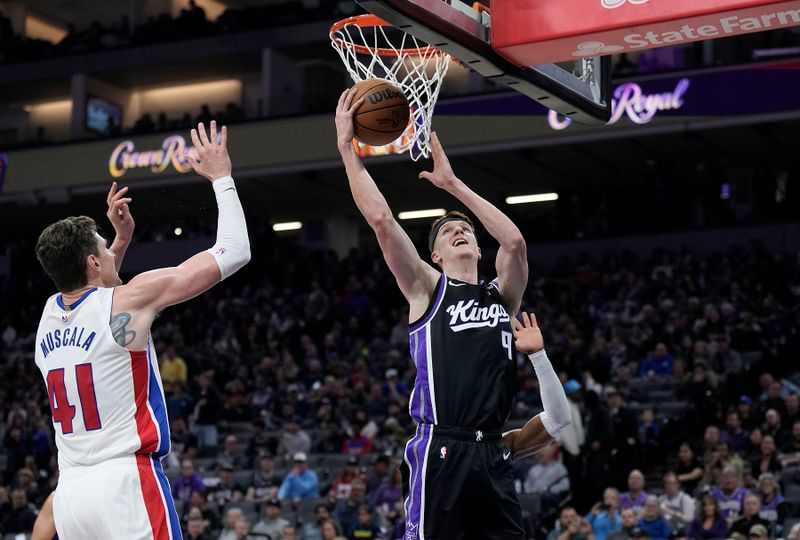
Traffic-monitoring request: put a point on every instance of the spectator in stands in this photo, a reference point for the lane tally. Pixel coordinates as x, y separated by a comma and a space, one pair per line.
271, 523
196, 530
172, 367
386, 498
232, 516
207, 412
677, 506
179, 403
738, 439
625, 429
773, 427
659, 363
293, 439
261, 443
689, 470
331, 530
745, 410
289, 533
21, 515
577, 529
628, 522
188, 481
599, 434
709, 524
730, 496
790, 452
366, 526
548, 477
651, 520
379, 474
766, 461
636, 496
231, 456
604, 517
265, 481
357, 444
794, 532
740, 528
346, 511
720, 460
792, 403
312, 530
300, 483
199, 502
227, 489
757, 532
340, 489
774, 509
650, 437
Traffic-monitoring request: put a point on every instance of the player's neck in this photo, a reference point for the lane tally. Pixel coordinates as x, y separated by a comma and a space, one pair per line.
462, 270
71, 296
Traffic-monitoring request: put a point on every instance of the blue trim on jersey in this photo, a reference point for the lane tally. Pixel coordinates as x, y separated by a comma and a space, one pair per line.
156, 400
60, 301
172, 513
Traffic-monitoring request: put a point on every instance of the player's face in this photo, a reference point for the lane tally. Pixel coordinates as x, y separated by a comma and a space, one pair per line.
107, 261
455, 240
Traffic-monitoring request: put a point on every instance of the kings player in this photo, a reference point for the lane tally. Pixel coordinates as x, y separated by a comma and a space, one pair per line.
94, 350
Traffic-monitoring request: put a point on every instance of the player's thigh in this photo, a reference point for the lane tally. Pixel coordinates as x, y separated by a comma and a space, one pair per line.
103, 503
494, 510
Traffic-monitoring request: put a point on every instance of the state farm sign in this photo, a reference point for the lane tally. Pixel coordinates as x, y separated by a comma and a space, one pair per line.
559, 31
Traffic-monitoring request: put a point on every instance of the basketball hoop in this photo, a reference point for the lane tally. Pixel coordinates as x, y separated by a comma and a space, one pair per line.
371, 48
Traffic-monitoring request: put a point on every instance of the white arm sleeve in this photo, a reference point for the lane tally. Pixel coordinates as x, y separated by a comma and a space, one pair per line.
232, 250
556, 415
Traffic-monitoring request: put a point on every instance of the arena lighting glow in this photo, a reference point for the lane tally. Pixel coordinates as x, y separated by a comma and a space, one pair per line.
419, 214
630, 100
178, 231
287, 226
533, 198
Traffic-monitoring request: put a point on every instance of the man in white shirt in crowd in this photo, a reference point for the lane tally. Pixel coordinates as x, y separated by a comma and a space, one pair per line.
678, 507
548, 477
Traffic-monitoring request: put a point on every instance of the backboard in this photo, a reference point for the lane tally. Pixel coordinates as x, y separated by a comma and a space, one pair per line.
579, 89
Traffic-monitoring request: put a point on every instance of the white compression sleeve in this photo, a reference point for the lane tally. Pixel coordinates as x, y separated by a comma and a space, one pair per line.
556, 415
232, 250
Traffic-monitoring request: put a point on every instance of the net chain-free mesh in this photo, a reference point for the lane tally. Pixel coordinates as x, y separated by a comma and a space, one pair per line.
385, 52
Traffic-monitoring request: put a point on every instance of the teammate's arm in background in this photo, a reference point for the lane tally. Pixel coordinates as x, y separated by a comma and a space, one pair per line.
138, 302
119, 214
416, 279
45, 526
512, 257
545, 427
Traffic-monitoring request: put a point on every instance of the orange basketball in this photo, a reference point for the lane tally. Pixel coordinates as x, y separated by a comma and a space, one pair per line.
383, 116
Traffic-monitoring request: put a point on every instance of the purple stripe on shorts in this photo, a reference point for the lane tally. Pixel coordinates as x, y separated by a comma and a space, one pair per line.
415, 454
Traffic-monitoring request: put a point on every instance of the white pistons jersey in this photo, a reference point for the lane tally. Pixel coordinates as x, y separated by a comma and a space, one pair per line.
107, 402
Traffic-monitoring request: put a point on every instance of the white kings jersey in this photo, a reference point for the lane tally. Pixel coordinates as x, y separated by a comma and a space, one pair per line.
107, 402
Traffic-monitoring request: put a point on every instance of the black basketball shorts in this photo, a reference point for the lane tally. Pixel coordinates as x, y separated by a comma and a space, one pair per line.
458, 484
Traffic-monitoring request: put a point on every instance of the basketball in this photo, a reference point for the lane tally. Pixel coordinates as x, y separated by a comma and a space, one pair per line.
383, 116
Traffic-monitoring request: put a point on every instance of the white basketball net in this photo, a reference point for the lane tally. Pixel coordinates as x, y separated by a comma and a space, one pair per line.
368, 53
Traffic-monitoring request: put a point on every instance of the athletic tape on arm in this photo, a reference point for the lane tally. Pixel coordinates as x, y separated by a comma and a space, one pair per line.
232, 250
556, 415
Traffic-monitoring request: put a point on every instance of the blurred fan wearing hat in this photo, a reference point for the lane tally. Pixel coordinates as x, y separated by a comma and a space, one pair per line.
301, 482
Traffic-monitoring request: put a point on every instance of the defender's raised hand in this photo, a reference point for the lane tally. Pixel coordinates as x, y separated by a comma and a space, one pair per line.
527, 335
209, 157
119, 213
344, 117
442, 175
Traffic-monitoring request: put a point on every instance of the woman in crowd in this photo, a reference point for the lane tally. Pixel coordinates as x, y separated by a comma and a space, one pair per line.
709, 523
331, 531
766, 461
773, 508
690, 469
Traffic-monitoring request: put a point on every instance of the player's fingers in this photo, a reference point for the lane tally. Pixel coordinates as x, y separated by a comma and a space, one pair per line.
516, 324
224, 141
534, 322
348, 99
213, 131
118, 195
354, 107
425, 175
111, 192
526, 319
195, 139
201, 131
342, 98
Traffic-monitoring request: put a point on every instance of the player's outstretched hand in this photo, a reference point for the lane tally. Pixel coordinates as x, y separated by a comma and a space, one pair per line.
119, 212
442, 175
209, 157
527, 335
344, 117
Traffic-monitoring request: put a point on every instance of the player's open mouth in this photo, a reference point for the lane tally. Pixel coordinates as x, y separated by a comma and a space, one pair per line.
460, 242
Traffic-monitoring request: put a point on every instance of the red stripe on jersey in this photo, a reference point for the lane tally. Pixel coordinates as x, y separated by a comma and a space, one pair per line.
91, 418
153, 500
146, 427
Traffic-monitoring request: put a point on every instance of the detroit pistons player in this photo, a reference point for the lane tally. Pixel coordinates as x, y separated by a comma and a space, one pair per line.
460, 482
94, 350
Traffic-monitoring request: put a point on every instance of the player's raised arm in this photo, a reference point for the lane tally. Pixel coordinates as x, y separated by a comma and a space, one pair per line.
151, 291
544, 427
416, 279
512, 257
119, 214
